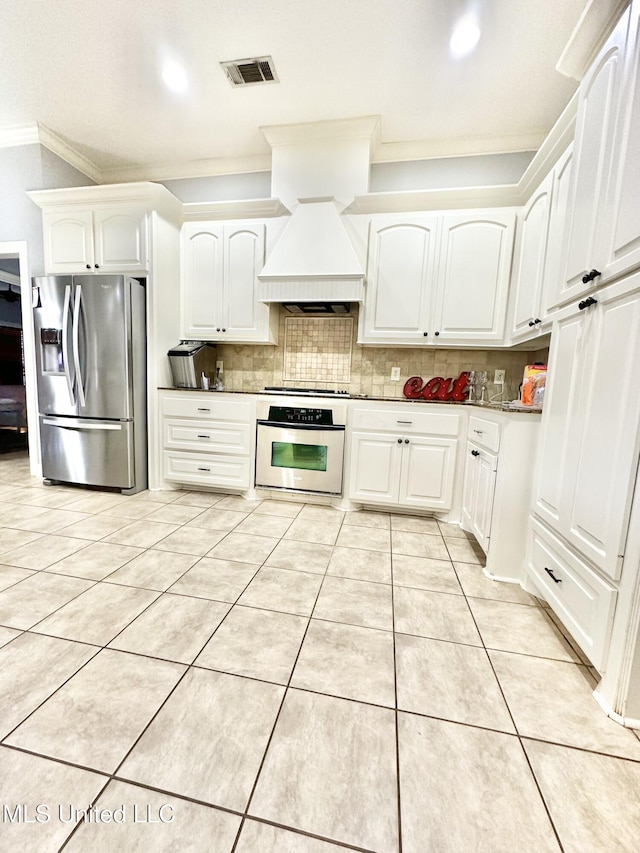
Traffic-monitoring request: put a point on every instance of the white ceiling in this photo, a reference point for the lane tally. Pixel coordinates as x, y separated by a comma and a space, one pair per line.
89, 70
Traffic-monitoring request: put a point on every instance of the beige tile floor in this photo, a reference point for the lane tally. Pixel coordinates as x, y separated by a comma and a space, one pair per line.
285, 678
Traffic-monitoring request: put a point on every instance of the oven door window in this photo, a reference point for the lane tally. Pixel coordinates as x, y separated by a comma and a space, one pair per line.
306, 457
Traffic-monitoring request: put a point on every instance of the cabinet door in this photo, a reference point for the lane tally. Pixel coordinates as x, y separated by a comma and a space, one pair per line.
427, 473
587, 227
245, 318
473, 276
374, 473
561, 417
597, 507
202, 280
68, 242
478, 492
400, 277
624, 249
554, 287
121, 240
533, 227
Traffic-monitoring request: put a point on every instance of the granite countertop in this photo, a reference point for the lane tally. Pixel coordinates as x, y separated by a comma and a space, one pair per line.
495, 407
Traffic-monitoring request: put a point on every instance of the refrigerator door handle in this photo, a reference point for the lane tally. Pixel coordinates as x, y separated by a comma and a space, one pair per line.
76, 344
65, 329
66, 423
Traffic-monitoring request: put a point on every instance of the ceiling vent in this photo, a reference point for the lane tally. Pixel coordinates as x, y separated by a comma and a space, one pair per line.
250, 72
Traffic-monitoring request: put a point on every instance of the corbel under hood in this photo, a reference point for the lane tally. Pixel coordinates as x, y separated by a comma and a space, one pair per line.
314, 260
316, 170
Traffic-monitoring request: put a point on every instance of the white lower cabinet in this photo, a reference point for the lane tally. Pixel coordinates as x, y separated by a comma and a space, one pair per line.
583, 600
409, 460
207, 440
496, 495
481, 469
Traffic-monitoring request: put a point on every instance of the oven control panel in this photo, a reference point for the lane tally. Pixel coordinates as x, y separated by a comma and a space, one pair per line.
297, 415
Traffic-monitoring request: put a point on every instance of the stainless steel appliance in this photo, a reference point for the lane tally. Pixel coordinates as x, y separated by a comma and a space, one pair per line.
188, 362
91, 377
300, 449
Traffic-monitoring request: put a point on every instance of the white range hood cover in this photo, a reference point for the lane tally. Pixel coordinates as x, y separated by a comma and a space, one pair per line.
314, 260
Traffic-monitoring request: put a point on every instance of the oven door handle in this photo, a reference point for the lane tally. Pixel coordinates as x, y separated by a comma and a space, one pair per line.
316, 427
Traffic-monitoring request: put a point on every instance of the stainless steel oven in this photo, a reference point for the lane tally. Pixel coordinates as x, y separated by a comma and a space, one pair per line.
300, 448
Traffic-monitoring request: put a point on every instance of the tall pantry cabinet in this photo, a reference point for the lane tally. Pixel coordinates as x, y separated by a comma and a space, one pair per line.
583, 551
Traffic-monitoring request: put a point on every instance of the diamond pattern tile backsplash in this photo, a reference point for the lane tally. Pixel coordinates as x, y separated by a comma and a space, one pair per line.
317, 349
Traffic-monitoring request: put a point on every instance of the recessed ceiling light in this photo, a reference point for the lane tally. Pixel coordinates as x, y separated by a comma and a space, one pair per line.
175, 78
465, 37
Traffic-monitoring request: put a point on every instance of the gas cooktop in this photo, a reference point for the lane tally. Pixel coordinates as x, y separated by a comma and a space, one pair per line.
305, 392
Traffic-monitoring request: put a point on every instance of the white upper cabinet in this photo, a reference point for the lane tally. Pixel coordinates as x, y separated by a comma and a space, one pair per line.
220, 265
588, 226
590, 441
438, 279
624, 245
554, 285
529, 267
473, 276
98, 240
400, 278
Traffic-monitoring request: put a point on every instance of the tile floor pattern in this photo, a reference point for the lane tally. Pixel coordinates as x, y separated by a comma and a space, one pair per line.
280, 677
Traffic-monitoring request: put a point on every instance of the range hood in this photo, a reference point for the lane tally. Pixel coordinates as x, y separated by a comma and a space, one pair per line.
314, 260
317, 169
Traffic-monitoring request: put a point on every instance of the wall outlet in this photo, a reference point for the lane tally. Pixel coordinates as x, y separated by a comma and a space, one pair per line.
498, 378
395, 374
219, 365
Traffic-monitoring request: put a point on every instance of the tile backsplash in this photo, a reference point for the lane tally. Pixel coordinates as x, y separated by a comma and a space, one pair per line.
322, 353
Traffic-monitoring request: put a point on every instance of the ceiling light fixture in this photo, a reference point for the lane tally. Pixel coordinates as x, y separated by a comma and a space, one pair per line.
465, 36
175, 78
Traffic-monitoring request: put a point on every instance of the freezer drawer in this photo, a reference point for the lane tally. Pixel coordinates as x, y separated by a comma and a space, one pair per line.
87, 451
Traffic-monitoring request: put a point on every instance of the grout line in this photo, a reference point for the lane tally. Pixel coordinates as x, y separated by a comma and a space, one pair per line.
395, 691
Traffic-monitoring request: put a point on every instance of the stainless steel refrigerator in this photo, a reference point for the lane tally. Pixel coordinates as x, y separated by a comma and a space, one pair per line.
90, 354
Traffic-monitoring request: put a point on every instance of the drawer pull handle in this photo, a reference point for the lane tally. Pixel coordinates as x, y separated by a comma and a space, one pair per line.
204, 410
552, 576
475, 453
478, 431
205, 469
204, 436
404, 422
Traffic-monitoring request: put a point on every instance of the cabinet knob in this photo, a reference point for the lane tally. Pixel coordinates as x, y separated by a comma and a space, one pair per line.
589, 276
532, 323
437, 333
217, 330
88, 266
425, 334
587, 303
399, 441
97, 266
536, 321
552, 576
224, 330
475, 453
406, 441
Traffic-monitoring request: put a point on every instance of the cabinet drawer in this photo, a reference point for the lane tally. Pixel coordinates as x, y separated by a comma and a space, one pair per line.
584, 602
210, 436
207, 469
206, 405
406, 421
484, 433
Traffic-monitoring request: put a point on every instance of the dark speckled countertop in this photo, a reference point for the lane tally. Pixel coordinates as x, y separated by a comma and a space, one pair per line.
495, 407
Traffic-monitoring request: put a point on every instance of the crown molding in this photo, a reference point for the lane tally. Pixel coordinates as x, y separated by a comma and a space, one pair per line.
592, 30
473, 146
196, 169
13, 136
260, 208
65, 151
